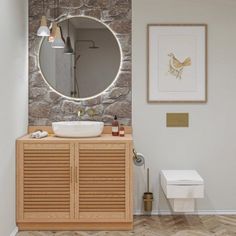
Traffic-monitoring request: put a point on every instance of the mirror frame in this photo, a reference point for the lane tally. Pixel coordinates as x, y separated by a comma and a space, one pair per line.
64, 18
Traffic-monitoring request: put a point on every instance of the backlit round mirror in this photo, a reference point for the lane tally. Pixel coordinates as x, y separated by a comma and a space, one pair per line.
83, 65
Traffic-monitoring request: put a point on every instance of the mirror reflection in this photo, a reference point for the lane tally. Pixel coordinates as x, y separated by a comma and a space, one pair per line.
81, 58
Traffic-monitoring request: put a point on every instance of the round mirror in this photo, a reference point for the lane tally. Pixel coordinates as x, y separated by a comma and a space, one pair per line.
81, 58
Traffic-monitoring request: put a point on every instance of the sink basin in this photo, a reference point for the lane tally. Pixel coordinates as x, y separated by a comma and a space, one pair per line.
77, 129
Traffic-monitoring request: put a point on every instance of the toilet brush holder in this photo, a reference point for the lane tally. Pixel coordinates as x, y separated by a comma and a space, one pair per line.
147, 196
147, 201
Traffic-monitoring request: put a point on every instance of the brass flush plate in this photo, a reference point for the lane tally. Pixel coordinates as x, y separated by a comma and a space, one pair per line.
177, 120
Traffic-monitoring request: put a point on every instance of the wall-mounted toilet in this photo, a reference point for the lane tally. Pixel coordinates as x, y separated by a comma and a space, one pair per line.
181, 188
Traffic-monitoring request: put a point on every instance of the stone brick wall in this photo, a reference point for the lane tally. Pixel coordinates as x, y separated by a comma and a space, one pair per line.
46, 106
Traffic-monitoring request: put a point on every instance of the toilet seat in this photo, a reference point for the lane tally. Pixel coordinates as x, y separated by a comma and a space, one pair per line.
182, 177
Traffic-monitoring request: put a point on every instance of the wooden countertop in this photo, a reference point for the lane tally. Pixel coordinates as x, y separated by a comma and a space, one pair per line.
103, 137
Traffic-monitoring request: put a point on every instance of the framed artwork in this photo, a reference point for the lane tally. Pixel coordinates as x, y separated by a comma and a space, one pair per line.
177, 62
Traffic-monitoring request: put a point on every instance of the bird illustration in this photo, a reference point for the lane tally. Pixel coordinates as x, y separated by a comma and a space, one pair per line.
176, 67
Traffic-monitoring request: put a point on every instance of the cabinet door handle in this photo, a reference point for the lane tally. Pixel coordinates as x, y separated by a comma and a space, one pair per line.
71, 174
76, 174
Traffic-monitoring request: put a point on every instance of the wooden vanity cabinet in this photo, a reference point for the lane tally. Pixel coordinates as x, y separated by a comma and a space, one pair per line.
74, 184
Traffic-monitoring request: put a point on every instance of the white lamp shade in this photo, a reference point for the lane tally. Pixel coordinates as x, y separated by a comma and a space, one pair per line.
43, 30
58, 42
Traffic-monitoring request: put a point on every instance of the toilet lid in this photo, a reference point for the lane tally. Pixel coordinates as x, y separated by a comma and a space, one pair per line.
182, 177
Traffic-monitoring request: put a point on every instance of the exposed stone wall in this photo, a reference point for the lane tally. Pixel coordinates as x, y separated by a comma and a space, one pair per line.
46, 106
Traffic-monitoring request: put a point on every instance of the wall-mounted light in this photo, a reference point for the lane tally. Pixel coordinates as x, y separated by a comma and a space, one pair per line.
68, 48
43, 30
58, 41
53, 32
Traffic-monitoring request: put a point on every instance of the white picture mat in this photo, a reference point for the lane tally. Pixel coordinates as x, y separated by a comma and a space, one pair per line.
182, 41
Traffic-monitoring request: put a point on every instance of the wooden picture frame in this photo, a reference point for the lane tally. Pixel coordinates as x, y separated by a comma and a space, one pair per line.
177, 63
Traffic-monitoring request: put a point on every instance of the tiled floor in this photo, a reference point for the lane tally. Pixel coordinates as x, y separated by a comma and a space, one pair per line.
163, 226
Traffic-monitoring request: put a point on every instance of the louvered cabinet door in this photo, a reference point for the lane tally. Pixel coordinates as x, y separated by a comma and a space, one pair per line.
104, 189
45, 182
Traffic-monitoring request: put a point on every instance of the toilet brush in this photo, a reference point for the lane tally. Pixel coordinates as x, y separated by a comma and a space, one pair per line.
148, 196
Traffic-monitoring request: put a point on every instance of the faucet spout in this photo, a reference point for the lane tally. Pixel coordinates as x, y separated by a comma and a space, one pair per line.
80, 114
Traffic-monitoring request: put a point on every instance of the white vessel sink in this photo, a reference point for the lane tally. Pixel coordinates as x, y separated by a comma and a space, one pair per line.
77, 129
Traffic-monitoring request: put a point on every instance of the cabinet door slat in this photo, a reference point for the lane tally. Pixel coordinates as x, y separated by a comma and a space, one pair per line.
46, 171
102, 179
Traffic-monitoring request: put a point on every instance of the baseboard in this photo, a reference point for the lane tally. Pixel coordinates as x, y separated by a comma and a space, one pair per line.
76, 226
14, 232
200, 212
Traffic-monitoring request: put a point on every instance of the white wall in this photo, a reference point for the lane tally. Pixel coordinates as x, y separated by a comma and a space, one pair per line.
209, 144
56, 66
47, 58
13, 101
64, 72
96, 68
